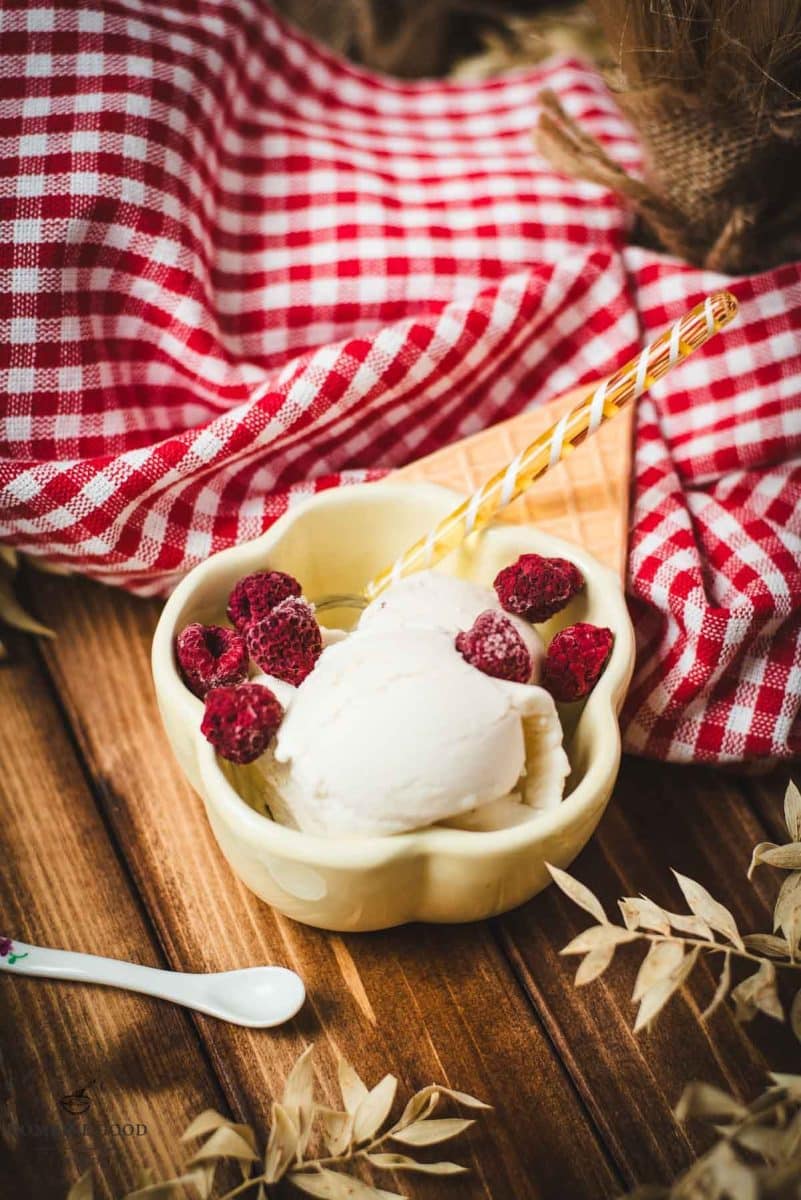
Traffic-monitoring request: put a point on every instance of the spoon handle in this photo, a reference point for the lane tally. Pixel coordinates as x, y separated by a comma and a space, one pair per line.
22, 959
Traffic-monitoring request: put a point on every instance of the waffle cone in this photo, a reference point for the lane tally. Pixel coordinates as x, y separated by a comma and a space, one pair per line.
584, 499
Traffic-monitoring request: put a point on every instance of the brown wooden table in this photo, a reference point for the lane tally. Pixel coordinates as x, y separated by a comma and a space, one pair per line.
107, 850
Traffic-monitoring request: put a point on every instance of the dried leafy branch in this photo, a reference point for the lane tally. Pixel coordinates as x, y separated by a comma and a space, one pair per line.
312, 1146
758, 1150
676, 941
11, 611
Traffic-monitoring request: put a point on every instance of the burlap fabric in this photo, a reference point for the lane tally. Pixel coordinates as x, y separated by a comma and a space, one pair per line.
720, 187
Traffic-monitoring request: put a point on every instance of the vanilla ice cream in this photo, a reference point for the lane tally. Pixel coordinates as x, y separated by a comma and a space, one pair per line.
393, 730
433, 600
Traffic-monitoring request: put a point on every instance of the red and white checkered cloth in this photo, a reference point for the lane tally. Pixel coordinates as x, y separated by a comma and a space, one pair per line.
234, 270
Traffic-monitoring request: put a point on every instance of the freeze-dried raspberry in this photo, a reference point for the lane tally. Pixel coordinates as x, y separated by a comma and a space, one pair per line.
575, 659
258, 594
287, 642
494, 646
240, 722
535, 587
210, 656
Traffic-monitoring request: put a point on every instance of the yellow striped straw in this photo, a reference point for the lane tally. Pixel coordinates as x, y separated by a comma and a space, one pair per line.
599, 405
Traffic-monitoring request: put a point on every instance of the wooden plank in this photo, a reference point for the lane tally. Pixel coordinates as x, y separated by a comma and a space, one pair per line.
766, 793
429, 1004
700, 822
62, 885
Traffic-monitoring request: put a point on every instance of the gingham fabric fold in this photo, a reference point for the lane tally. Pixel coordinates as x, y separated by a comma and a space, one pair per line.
234, 270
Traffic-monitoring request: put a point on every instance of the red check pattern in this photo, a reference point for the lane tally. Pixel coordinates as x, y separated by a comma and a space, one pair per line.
234, 271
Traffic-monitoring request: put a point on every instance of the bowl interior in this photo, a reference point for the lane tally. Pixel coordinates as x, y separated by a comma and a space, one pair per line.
339, 540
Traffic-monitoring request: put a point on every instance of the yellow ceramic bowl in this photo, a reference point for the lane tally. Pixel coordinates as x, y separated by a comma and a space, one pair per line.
334, 543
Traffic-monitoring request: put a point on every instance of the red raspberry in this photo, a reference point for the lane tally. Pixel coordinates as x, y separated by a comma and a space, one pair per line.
575, 659
210, 656
496, 648
535, 587
256, 595
287, 642
241, 721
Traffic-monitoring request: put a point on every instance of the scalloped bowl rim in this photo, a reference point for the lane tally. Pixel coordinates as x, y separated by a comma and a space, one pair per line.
355, 852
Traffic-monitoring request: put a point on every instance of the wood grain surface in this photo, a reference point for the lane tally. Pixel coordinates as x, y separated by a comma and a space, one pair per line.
107, 849
63, 884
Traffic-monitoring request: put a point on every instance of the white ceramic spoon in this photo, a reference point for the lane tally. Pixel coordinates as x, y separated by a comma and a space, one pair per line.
254, 996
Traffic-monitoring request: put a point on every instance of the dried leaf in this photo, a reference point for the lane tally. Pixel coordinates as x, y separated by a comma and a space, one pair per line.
401, 1162
767, 1101
10, 561
787, 857
792, 811
431, 1133
641, 913
282, 1145
579, 893
761, 1139
374, 1109
331, 1186
766, 943
225, 1142
653, 1002
12, 613
205, 1122
660, 963
795, 1015
758, 993
210, 1120
716, 915
202, 1179
788, 1084
766, 995
82, 1189
756, 856
351, 1086
657, 996
787, 901
721, 991
298, 1099
791, 1138
791, 929
694, 926
594, 964
45, 567
703, 1102
598, 937
728, 1176
744, 1007
460, 1097
337, 1128
299, 1086
421, 1105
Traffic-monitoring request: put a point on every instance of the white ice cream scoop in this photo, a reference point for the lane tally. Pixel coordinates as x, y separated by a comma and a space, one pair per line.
394, 730
434, 600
